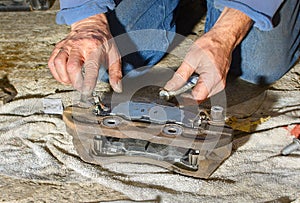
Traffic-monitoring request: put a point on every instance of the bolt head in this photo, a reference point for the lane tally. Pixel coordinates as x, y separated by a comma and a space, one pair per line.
217, 113
164, 94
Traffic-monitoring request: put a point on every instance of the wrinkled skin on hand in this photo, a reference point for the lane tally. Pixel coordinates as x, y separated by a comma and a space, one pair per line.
88, 45
210, 56
211, 61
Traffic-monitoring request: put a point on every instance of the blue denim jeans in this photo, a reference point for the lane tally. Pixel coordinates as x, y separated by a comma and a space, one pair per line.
265, 56
262, 57
143, 31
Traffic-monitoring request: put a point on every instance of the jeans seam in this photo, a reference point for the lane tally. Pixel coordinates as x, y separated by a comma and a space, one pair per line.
163, 23
130, 25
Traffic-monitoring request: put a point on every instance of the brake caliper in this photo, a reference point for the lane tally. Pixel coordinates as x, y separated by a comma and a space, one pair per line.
183, 141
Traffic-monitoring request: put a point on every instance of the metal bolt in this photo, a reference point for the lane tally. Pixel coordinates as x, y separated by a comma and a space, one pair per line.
98, 144
216, 113
112, 121
193, 158
167, 95
295, 145
172, 130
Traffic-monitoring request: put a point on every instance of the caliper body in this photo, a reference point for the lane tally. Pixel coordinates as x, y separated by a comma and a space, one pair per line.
183, 141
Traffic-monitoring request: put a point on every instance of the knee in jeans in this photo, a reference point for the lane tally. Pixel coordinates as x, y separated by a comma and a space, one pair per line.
266, 73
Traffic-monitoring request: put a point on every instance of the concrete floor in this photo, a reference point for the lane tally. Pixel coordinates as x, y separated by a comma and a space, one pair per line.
26, 41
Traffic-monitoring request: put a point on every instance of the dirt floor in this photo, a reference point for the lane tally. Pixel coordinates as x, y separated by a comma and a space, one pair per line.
39, 164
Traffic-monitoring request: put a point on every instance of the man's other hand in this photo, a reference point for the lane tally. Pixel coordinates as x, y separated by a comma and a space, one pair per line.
210, 56
76, 59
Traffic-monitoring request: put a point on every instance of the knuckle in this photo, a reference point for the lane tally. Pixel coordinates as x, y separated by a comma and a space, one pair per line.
91, 65
182, 76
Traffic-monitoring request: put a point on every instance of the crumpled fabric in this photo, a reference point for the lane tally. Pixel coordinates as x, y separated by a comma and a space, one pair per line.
36, 146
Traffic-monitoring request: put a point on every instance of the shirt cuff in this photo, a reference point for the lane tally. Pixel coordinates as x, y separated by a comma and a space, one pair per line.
70, 14
261, 12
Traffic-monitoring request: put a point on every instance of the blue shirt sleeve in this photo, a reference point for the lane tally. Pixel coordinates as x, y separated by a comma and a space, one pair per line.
76, 10
260, 11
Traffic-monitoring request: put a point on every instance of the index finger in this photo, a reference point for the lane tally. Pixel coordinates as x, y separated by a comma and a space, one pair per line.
180, 77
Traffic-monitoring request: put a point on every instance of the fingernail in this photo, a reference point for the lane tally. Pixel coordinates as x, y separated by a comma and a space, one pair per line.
117, 87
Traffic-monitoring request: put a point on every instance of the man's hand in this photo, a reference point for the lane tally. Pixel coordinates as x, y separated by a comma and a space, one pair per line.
88, 45
210, 55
